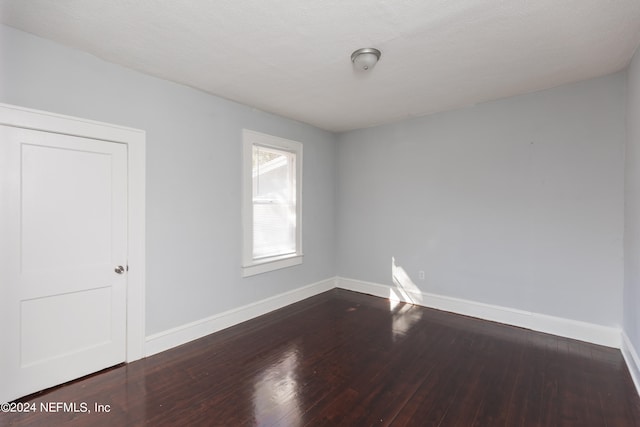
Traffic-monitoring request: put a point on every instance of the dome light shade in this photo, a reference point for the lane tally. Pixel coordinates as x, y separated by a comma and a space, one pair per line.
366, 58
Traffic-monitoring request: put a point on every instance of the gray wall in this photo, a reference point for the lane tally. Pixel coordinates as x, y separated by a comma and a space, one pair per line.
193, 174
517, 202
631, 324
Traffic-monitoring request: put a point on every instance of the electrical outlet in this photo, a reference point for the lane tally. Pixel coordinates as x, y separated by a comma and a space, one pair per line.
421, 274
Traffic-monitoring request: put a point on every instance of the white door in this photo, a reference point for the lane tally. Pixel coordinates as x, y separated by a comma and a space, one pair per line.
63, 233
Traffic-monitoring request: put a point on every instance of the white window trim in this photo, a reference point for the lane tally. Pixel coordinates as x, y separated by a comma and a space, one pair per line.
251, 266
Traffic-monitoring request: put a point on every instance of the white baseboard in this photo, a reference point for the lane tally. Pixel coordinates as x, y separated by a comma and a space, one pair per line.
174, 337
583, 331
369, 288
630, 355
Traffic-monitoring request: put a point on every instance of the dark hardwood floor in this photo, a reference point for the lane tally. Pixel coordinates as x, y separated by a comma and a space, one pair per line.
343, 358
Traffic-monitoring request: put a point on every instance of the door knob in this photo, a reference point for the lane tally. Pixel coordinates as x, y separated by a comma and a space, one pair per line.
119, 269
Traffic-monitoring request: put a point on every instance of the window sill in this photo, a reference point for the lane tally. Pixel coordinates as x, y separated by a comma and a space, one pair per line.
271, 264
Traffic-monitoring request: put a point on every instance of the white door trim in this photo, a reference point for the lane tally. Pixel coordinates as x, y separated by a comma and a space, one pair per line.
11, 115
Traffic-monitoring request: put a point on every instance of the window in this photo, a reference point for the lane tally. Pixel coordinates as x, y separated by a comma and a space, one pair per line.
271, 203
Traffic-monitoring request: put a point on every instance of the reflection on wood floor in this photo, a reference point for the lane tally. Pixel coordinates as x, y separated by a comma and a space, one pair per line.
343, 358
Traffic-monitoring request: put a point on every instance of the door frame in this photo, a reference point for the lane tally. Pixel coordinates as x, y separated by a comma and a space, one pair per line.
135, 140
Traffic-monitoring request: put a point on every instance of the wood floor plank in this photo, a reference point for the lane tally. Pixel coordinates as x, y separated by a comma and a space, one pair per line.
343, 358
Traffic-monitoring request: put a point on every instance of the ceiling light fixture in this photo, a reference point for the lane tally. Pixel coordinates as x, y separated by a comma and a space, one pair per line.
366, 58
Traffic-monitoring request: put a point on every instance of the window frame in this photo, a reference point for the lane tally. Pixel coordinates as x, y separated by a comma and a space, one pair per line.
250, 265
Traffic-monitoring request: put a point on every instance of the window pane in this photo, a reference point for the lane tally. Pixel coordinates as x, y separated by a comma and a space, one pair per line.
274, 231
274, 205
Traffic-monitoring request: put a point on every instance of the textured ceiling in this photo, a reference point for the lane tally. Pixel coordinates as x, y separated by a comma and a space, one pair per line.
292, 57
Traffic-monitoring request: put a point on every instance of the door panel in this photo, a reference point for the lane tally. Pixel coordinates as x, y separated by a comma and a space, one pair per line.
90, 323
52, 178
64, 231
